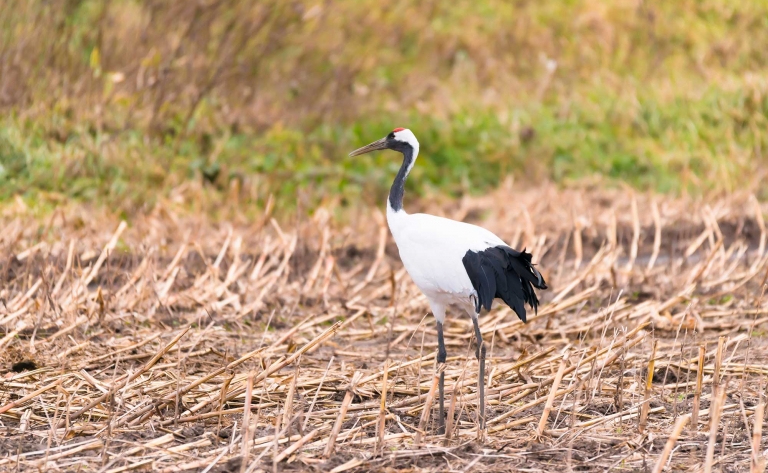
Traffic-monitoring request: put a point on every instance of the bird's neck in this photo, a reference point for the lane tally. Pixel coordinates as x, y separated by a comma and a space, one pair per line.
398, 185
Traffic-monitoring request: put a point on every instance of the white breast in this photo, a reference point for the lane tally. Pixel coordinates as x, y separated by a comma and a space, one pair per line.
432, 249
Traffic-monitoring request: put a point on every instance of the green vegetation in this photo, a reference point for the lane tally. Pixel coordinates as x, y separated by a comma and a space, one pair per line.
126, 102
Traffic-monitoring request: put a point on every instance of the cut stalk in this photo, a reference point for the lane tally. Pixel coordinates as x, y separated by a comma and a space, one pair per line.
697, 393
648, 388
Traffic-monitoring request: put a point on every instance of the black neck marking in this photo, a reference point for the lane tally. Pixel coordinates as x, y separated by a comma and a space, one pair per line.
398, 185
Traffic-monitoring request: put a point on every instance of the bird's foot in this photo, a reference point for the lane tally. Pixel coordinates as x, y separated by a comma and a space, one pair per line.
481, 435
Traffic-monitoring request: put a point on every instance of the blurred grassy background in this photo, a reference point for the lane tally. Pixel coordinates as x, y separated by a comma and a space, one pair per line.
125, 102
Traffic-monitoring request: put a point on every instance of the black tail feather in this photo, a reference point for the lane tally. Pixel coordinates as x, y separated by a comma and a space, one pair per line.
505, 273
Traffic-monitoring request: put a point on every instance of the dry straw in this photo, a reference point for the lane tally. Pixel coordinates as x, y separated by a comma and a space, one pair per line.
177, 343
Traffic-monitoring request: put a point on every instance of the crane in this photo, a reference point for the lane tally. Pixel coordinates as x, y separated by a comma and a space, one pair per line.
454, 264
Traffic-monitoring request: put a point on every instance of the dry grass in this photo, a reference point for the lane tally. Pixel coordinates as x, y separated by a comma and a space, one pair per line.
174, 344
128, 101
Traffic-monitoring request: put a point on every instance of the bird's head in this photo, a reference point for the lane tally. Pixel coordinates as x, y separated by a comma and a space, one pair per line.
399, 139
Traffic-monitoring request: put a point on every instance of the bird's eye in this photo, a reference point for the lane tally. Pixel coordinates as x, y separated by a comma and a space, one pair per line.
391, 136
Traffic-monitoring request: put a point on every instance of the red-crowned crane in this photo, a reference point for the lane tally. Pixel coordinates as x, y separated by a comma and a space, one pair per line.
454, 263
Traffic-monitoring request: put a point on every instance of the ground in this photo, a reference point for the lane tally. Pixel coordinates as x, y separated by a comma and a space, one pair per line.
134, 346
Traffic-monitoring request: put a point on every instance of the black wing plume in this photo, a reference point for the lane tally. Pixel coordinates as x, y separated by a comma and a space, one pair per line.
505, 273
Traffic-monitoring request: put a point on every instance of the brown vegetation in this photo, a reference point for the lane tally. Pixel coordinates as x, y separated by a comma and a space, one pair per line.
177, 344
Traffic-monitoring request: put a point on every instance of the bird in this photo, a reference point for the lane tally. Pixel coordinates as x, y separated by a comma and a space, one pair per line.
454, 264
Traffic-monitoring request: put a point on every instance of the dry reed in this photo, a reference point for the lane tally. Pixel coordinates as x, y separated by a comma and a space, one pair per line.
174, 343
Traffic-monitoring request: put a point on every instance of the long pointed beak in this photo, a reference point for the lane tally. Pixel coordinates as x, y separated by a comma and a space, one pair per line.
376, 145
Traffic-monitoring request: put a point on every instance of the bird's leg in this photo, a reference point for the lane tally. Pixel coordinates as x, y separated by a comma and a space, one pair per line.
480, 353
441, 355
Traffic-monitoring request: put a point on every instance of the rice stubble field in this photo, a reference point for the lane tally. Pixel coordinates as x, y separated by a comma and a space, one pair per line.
176, 343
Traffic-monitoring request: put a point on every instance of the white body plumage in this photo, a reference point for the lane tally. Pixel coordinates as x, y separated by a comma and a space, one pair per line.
432, 249
453, 262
